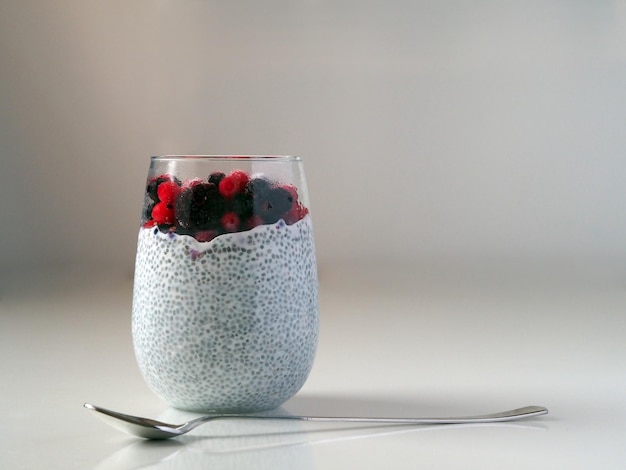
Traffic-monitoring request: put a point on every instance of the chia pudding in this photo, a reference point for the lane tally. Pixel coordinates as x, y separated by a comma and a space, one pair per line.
226, 321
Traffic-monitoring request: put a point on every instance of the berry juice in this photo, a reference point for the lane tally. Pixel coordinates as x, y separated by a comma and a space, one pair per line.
225, 301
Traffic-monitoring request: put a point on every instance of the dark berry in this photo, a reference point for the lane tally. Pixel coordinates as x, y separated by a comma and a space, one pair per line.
148, 205
278, 202
163, 214
191, 182
230, 222
200, 207
258, 187
242, 205
216, 177
292, 190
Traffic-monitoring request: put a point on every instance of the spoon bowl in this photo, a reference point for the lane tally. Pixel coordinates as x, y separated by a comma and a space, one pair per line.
152, 429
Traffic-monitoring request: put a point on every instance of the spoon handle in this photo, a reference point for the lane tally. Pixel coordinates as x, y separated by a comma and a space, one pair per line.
518, 413
511, 415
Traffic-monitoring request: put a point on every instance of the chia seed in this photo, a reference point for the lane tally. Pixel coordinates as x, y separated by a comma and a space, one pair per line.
237, 333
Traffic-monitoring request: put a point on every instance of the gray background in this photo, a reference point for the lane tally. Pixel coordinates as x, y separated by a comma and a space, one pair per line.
430, 130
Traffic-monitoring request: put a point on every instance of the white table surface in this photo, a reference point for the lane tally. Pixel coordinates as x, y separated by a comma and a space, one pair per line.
429, 340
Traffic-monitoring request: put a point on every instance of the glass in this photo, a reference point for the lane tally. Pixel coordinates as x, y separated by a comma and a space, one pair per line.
225, 299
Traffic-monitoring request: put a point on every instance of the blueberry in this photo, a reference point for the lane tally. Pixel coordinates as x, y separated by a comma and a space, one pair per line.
274, 206
258, 187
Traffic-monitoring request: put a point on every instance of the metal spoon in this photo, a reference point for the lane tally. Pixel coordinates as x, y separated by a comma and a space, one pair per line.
151, 429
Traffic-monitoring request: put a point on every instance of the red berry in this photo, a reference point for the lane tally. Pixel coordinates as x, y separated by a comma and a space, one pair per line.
233, 184
154, 183
296, 213
240, 176
254, 221
292, 190
205, 235
163, 213
230, 222
168, 191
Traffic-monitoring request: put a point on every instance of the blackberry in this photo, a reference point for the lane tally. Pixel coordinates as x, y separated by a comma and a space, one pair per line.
200, 207
148, 205
277, 203
242, 205
216, 177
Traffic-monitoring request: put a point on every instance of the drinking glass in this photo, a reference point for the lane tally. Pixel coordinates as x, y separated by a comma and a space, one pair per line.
225, 298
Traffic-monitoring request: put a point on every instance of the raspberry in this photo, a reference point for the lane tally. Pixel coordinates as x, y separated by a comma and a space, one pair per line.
297, 212
230, 222
200, 207
153, 184
168, 191
240, 176
163, 214
233, 184
205, 235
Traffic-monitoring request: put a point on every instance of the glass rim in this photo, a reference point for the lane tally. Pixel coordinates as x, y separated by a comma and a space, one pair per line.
265, 158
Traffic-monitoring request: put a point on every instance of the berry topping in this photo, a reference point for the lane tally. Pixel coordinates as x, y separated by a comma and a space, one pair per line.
242, 205
191, 182
199, 207
230, 222
253, 221
275, 205
168, 191
216, 177
154, 183
258, 186
297, 212
233, 184
206, 235
292, 190
223, 203
163, 214
148, 205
